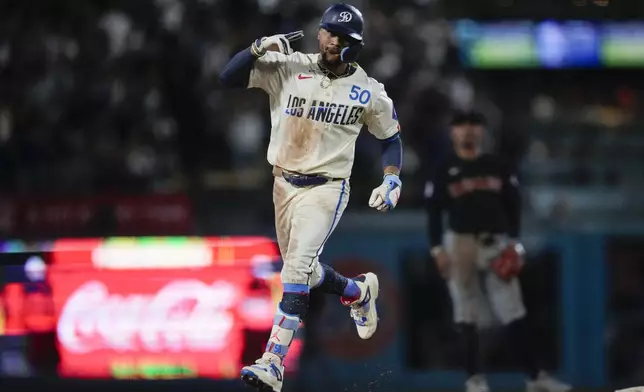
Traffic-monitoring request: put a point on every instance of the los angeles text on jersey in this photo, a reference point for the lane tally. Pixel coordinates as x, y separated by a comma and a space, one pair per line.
327, 112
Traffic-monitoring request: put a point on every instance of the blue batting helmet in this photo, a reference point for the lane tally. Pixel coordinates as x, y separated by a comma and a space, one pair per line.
343, 19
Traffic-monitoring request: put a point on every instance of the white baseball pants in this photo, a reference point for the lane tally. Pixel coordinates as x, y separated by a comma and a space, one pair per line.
473, 285
304, 221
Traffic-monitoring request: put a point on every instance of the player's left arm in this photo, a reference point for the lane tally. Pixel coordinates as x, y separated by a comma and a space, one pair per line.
382, 121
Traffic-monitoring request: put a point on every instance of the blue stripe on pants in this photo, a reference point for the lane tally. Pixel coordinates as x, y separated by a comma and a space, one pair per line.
335, 218
328, 234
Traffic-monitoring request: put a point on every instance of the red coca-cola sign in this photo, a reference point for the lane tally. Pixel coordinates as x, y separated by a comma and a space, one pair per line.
149, 323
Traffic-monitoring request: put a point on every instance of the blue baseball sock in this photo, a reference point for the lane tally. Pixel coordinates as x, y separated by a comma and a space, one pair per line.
334, 283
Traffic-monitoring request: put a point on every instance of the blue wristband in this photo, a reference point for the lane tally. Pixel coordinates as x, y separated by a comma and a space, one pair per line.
392, 151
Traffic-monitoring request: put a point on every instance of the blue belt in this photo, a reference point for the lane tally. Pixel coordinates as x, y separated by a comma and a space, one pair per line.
302, 180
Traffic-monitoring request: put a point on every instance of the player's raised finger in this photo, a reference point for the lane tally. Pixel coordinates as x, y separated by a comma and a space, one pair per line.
295, 35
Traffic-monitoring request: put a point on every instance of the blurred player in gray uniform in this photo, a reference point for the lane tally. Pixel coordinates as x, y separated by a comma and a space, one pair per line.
480, 196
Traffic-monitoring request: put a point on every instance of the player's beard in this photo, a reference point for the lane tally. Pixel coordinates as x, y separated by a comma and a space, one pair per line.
330, 60
332, 66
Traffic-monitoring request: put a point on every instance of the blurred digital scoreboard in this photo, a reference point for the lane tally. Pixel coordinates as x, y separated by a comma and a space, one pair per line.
550, 44
623, 44
497, 45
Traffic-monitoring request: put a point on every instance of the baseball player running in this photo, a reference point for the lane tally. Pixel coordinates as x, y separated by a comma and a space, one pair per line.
481, 248
319, 103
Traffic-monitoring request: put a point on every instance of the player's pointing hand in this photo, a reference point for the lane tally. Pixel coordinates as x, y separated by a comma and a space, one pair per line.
294, 36
277, 43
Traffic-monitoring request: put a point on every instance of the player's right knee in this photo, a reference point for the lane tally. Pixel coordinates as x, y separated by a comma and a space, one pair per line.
295, 299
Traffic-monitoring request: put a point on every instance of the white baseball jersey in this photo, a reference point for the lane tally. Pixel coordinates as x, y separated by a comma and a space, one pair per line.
315, 121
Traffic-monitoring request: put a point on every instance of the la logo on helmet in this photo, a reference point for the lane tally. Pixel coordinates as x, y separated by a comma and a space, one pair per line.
345, 17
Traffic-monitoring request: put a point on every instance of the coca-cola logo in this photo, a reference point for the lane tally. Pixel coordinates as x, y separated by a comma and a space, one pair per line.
184, 315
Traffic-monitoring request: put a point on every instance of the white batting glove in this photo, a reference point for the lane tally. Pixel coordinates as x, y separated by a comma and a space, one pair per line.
279, 43
385, 197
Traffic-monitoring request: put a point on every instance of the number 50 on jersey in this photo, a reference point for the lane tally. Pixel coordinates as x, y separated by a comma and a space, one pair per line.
357, 94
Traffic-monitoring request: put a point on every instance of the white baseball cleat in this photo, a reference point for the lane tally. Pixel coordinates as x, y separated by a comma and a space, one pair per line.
363, 310
267, 374
477, 383
547, 383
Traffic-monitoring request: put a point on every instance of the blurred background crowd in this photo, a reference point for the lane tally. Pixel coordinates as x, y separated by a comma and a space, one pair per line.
118, 97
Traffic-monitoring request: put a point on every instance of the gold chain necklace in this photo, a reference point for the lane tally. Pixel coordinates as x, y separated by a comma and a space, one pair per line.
326, 80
